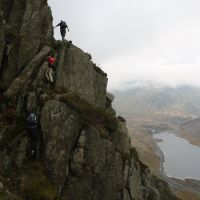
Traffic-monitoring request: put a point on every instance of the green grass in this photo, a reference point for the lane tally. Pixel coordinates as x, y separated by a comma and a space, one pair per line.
35, 185
17, 127
89, 114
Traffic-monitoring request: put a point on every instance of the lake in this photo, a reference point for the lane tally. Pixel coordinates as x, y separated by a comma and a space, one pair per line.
181, 159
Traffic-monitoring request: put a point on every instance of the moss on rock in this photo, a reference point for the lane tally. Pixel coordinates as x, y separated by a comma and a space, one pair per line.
35, 185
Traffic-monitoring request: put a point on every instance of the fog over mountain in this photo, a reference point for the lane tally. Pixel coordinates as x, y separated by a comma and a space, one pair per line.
146, 40
151, 102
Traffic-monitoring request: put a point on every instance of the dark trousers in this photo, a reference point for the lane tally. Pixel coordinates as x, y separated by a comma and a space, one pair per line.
63, 33
34, 133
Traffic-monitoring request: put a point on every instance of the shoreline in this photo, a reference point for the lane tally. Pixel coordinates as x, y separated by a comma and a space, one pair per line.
170, 180
160, 154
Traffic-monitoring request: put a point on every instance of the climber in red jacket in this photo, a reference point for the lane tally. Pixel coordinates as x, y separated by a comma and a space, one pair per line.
51, 66
51, 61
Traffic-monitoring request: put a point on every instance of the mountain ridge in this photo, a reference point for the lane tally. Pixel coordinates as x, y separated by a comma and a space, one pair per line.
83, 151
183, 100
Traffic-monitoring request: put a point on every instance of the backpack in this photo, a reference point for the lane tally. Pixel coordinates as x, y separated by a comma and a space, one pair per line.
63, 24
32, 119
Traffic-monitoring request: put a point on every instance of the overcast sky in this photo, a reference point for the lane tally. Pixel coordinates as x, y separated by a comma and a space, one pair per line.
136, 40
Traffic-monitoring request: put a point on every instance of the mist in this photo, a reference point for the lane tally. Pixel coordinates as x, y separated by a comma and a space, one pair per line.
150, 41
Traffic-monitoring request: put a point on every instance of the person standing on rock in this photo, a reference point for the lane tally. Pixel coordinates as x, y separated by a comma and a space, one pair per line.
63, 27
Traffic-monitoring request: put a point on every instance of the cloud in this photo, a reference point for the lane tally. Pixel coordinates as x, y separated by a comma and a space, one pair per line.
146, 40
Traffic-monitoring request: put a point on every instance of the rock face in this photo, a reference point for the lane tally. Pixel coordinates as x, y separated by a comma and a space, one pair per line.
77, 73
25, 27
83, 150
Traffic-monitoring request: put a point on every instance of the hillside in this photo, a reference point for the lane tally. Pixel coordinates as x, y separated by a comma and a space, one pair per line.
165, 107
160, 108
83, 150
161, 105
181, 101
191, 131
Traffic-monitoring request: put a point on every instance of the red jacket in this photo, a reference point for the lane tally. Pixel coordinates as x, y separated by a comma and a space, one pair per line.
51, 60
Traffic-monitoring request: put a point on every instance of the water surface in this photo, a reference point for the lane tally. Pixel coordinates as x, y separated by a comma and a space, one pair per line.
181, 159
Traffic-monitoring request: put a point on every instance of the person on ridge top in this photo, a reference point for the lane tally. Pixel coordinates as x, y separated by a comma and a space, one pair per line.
63, 27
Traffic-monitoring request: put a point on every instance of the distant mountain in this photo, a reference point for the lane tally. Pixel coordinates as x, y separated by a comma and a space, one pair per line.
191, 131
163, 107
182, 101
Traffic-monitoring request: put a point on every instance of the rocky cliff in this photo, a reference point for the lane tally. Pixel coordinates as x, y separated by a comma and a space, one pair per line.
83, 150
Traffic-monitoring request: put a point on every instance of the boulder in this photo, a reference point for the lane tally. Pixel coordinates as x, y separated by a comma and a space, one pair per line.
76, 74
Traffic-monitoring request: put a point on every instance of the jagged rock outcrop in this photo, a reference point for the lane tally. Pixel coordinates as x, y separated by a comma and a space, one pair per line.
82, 77
83, 151
25, 27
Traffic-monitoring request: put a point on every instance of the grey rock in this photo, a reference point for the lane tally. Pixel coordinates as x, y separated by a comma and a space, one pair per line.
1, 187
109, 99
145, 193
60, 127
135, 185
77, 75
20, 153
27, 27
3, 132
110, 96
77, 162
78, 156
23, 80
154, 194
31, 101
103, 174
126, 174
162, 187
121, 119
36, 29
2, 38
40, 81
150, 193
111, 111
126, 195
82, 140
121, 139
3, 107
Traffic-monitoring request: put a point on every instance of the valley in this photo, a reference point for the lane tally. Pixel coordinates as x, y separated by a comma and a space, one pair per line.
161, 109
143, 140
